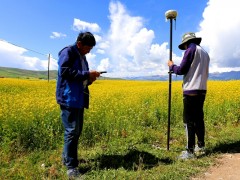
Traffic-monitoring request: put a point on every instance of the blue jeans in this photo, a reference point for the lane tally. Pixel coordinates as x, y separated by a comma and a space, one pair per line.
72, 119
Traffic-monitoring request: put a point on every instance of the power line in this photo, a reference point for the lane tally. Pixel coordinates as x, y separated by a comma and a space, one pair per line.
27, 48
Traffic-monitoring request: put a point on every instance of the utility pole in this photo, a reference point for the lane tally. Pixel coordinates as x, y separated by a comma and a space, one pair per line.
49, 56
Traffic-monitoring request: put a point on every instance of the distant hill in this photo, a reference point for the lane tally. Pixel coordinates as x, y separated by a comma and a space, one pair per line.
6, 72
232, 75
21, 73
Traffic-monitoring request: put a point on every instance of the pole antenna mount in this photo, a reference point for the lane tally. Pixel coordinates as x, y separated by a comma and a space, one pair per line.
171, 14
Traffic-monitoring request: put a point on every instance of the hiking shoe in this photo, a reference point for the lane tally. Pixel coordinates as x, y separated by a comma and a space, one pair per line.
199, 150
73, 173
186, 155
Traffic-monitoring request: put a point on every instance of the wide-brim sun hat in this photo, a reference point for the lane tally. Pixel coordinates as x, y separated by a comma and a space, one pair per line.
187, 37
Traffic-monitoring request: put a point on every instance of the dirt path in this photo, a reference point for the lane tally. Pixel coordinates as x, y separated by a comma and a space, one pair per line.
227, 167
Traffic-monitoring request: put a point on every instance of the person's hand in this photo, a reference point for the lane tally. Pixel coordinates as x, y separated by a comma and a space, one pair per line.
93, 75
170, 63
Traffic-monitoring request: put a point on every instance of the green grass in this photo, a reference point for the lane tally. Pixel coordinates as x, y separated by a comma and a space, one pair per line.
26, 74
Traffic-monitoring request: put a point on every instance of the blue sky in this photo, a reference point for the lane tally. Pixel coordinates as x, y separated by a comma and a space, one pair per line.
132, 35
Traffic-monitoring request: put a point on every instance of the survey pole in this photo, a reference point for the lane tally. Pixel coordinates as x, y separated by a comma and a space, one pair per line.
170, 15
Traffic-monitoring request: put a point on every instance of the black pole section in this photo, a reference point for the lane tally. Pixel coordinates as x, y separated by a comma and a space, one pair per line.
170, 88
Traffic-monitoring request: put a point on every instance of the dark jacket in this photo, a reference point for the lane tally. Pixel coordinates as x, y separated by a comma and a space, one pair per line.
70, 91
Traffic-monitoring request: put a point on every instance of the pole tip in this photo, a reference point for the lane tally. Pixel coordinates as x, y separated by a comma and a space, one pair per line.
171, 14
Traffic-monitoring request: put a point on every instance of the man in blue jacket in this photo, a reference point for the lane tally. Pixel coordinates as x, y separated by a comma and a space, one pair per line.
72, 95
194, 66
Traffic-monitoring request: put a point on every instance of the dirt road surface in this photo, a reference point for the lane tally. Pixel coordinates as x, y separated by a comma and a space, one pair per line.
227, 167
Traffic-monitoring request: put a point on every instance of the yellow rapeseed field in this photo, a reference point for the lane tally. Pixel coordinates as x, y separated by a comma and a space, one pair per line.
26, 99
117, 108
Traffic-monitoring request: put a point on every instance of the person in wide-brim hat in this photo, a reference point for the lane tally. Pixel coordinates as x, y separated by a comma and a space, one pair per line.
189, 38
195, 70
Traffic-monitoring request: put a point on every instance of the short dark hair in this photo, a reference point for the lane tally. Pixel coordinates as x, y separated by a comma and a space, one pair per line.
86, 38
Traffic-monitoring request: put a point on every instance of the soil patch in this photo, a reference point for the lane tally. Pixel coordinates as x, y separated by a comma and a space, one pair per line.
226, 168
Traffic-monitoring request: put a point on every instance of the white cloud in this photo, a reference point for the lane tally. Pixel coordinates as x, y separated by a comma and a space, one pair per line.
130, 45
220, 32
100, 51
79, 25
57, 35
91, 60
100, 44
14, 56
128, 48
97, 38
104, 65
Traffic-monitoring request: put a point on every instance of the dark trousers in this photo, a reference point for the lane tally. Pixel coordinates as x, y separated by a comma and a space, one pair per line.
72, 119
193, 118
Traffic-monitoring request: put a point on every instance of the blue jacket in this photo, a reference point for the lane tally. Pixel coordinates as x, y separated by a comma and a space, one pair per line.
70, 91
